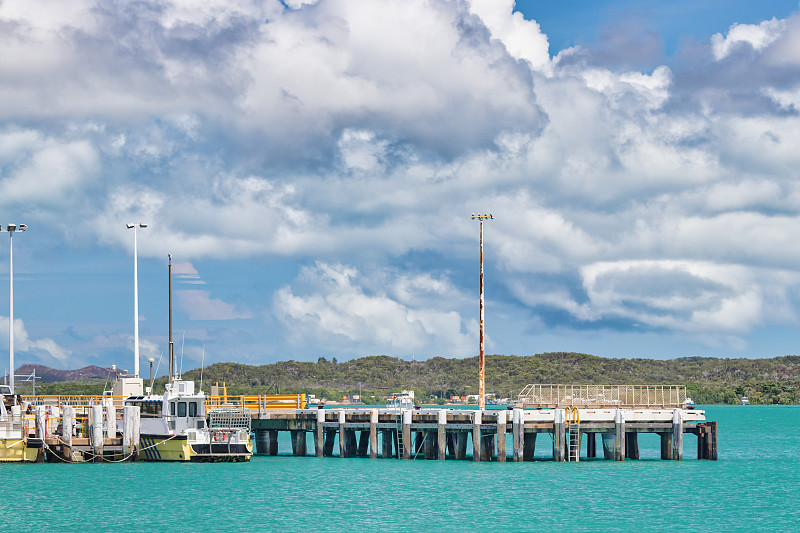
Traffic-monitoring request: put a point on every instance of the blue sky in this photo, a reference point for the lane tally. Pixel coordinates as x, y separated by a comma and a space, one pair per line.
312, 167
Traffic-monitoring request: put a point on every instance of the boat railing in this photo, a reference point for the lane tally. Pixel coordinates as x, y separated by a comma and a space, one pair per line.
628, 396
228, 418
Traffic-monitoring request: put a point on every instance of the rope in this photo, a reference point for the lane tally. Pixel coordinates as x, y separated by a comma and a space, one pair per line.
93, 455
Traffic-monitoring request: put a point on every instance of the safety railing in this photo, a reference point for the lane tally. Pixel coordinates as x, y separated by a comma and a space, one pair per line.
628, 396
258, 402
74, 400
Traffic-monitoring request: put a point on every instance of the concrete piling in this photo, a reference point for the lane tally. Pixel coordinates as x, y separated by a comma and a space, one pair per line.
476, 436
677, 435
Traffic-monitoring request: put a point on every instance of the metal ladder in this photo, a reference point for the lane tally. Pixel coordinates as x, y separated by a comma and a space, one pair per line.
573, 434
574, 442
400, 435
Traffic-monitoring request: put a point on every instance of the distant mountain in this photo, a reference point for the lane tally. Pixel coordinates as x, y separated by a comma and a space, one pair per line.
51, 375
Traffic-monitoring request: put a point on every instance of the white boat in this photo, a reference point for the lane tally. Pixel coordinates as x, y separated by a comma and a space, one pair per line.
401, 400
174, 427
689, 403
745, 400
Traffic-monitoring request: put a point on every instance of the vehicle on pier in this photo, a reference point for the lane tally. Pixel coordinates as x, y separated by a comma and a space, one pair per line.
174, 427
401, 400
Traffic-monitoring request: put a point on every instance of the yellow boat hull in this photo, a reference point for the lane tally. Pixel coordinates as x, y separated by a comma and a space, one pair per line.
178, 448
15, 451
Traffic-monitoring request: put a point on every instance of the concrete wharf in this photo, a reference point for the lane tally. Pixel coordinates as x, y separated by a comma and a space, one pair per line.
445, 433
569, 414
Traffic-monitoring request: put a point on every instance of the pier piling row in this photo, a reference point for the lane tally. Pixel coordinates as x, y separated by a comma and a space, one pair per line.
443, 433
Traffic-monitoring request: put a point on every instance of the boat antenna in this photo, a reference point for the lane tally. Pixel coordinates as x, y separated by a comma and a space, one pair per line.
171, 346
160, 357
202, 366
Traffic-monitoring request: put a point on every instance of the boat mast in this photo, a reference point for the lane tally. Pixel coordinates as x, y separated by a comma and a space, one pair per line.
171, 351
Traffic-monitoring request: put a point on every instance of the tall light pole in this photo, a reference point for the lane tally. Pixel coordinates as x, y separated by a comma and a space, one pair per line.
135, 300
10, 229
482, 389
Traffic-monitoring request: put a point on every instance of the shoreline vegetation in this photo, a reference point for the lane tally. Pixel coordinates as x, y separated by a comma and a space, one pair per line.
708, 380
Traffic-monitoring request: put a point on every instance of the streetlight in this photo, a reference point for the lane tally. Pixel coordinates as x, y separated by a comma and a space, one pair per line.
10, 229
135, 301
151, 360
482, 391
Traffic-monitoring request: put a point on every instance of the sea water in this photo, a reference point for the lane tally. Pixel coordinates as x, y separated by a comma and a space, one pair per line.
754, 486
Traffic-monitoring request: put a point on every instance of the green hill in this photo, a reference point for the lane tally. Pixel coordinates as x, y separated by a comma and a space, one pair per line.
708, 380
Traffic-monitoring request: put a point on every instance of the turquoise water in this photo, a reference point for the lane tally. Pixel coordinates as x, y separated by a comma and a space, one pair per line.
755, 486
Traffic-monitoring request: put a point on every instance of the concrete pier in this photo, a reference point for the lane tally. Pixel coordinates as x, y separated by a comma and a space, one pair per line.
445, 434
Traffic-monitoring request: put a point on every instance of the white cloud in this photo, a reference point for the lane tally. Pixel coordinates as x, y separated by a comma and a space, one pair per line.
522, 38
337, 305
364, 132
45, 349
200, 306
758, 36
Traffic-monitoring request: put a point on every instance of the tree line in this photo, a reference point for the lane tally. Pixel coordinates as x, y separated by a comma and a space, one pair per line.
709, 380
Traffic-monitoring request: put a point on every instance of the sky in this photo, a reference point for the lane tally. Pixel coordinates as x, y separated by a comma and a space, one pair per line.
312, 167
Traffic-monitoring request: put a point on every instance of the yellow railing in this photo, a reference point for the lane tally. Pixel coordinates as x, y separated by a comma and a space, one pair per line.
257, 402
73, 400
629, 396
250, 402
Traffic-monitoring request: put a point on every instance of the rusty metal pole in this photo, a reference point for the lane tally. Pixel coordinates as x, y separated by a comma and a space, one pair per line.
482, 387
171, 352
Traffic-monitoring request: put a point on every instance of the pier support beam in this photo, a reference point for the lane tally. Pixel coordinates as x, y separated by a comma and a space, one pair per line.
342, 436
517, 434
111, 421
363, 444
591, 445
67, 425
529, 446
330, 439
476, 435
419, 439
406, 434
272, 441
388, 438
608, 445
431, 449
461, 445
298, 442
441, 438
373, 434
41, 430
666, 446
619, 435
559, 441
319, 435
707, 441
487, 447
501, 436
130, 431
351, 443
632, 445
97, 432
262, 442
677, 435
